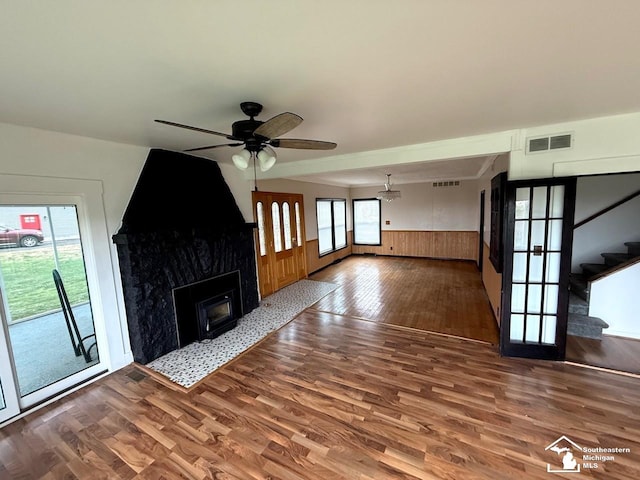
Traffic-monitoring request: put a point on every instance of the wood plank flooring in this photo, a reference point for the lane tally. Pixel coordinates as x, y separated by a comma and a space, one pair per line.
333, 397
443, 296
617, 353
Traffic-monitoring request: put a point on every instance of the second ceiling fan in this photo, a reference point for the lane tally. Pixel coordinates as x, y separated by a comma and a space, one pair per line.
258, 137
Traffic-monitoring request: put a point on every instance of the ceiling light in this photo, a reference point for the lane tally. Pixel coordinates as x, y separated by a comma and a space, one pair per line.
241, 159
266, 158
388, 193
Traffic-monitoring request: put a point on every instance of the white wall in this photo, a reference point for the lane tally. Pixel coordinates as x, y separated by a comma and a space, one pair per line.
39, 153
240, 188
608, 232
600, 145
615, 300
424, 207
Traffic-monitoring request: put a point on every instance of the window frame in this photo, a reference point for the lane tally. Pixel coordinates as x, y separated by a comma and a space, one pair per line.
333, 225
353, 214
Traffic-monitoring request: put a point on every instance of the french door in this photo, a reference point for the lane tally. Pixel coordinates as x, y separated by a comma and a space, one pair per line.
537, 263
281, 255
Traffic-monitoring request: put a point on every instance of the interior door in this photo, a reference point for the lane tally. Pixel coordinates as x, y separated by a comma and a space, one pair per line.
537, 263
280, 239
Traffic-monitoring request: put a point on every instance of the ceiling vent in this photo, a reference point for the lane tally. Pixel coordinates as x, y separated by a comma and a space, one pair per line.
555, 142
452, 183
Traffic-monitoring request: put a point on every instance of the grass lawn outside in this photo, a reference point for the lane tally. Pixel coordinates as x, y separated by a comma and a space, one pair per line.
28, 281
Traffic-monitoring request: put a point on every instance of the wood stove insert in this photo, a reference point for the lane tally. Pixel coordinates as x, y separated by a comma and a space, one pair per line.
208, 308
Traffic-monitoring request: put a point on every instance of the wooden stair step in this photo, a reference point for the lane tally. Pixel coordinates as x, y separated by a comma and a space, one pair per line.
613, 259
592, 269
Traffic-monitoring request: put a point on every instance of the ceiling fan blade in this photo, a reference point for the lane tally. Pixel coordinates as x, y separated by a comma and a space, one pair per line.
196, 129
303, 144
212, 146
278, 125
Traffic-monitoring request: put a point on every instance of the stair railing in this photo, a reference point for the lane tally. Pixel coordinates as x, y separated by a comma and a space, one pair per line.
607, 209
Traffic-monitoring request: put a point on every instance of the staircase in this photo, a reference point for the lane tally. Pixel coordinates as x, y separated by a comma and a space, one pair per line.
579, 322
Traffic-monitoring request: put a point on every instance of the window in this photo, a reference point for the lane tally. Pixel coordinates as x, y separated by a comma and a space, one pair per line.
331, 214
298, 226
263, 244
340, 224
286, 218
277, 232
366, 221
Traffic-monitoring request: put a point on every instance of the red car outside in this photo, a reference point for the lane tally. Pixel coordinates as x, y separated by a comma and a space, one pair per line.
22, 237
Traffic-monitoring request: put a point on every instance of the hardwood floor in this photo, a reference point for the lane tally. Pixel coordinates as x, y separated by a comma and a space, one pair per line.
443, 296
617, 353
333, 397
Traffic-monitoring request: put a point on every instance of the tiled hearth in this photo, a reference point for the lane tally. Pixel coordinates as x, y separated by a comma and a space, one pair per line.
188, 365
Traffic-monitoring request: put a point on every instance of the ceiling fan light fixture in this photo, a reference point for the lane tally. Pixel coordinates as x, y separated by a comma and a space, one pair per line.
388, 193
266, 158
241, 159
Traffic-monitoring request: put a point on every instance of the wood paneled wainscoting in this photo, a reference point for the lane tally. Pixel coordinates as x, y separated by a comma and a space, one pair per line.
315, 262
459, 245
492, 281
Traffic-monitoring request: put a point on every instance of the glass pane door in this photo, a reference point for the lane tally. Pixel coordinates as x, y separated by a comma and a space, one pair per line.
47, 307
537, 256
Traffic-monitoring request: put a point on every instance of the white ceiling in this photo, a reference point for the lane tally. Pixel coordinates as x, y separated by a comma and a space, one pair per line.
458, 169
367, 74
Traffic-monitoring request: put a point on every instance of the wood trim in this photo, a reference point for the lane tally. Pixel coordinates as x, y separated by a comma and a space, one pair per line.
607, 209
459, 245
615, 269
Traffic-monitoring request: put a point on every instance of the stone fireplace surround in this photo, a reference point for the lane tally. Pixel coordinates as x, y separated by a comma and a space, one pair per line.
182, 226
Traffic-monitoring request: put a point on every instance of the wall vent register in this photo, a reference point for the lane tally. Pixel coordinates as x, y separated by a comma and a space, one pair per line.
554, 142
450, 183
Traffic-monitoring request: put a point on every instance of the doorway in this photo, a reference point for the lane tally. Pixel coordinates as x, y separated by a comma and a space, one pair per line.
280, 240
537, 263
48, 342
605, 271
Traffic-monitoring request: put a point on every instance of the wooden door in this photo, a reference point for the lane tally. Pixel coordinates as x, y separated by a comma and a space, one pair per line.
280, 240
537, 263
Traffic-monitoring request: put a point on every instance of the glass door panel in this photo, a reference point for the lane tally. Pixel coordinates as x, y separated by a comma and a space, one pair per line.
535, 279
50, 326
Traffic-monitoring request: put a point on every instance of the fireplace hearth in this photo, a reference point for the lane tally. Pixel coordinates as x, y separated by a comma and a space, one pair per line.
182, 228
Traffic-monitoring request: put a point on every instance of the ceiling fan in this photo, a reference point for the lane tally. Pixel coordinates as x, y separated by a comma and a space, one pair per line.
258, 137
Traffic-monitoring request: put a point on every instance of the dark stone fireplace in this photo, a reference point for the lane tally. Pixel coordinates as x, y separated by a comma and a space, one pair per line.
183, 238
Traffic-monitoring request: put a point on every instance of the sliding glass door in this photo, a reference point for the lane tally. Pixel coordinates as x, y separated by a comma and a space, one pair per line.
9, 405
49, 337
